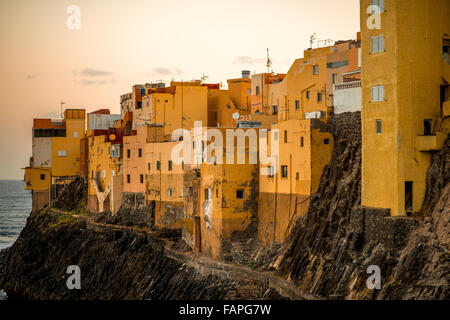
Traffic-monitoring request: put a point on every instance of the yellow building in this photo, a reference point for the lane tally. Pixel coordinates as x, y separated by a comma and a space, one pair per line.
240, 92
405, 99
56, 154
305, 148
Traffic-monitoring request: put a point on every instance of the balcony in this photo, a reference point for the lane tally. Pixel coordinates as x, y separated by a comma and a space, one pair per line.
431, 143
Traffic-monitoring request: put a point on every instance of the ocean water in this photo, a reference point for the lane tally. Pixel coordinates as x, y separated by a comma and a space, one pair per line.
15, 207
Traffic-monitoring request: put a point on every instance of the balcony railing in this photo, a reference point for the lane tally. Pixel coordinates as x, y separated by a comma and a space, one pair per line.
347, 85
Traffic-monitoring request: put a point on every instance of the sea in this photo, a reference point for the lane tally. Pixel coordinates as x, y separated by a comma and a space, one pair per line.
15, 207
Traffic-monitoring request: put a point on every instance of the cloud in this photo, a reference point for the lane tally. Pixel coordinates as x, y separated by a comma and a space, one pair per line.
92, 82
162, 71
248, 60
31, 76
89, 72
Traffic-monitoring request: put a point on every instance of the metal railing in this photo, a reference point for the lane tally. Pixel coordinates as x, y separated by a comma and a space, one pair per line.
347, 85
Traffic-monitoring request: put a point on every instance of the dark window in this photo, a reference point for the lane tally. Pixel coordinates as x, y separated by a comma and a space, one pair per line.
240, 194
191, 191
128, 153
308, 94
170, 165
149, 166
141, 178
316, 69
319, 97
158, 165
285, 136
297, 104
140, 153
274, 109
42, 176
128, 178
284, 171
408, 197
139, 105
207, 194
257, 90
182, 165
297, 176
271, 172
379, 126
302, 142
427, 127
326, 141
217, 193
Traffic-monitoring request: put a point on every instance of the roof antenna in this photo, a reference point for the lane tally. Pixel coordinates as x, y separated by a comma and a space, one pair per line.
311, 40
269, 62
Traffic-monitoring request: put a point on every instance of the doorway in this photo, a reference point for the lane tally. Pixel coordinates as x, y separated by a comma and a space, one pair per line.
408, 197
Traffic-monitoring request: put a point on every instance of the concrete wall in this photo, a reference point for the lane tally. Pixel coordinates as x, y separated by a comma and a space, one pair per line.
42, 152
347, 97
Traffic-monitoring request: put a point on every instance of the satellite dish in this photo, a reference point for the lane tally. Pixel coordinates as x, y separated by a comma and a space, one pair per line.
235, 116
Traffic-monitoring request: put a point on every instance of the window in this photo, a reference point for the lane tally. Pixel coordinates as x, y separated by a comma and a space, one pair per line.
316, 69
285, 136
378, 3
427, 127
257, 90
170, 165
182, 192
308, 94
302, 142
169, 192
128, 178
377, 93
112, 173
379, 126
158, 165
207, 194
149, 165
335, 78
191, 191
104, 174
128, 153
75, 134
319, 97
42, 176
139, 105
297, 176
182, 165
217, 193
62, 153
271, 172
297, 104
240, 194
284, 171
326, 141
140, 153
141, 178
82, 149
377, 44
274, 109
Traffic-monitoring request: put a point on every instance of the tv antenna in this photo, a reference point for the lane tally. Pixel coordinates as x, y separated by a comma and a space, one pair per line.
312, 39
204, 77
269, 61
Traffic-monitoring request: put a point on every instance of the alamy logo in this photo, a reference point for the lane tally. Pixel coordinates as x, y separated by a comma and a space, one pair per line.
374, 20
374, 281
74, 281
199, 151
74, 20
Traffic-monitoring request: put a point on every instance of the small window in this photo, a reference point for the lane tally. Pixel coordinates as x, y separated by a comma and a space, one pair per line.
284, 171
182, 165
308, 94
191, 191
42, 176
62, 153
240, 194
128, 153
297, 104
128, 178
257, 90
377, 93
170, 165
377, 44
271, 171
149, 165
379, 126
274, 109
207, 194
217, 193
285, 136
297, 176
319, 97
75, 134
104, 174
141, 178
140, 153
335, 78
302, 142
315, 69
326, 141
112, 173
169, 192
158, 165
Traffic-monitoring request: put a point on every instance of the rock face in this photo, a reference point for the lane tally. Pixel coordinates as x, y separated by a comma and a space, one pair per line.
114, 265
330, 249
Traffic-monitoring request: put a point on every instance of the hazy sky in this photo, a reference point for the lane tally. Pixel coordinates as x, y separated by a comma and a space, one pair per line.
123, 42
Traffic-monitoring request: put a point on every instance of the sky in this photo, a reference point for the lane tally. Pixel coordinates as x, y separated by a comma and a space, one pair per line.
125, 42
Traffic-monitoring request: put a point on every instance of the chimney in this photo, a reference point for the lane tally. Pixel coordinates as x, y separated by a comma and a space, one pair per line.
245, 74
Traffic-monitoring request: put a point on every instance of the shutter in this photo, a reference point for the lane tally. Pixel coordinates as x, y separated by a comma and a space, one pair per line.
381, 43
381, 93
